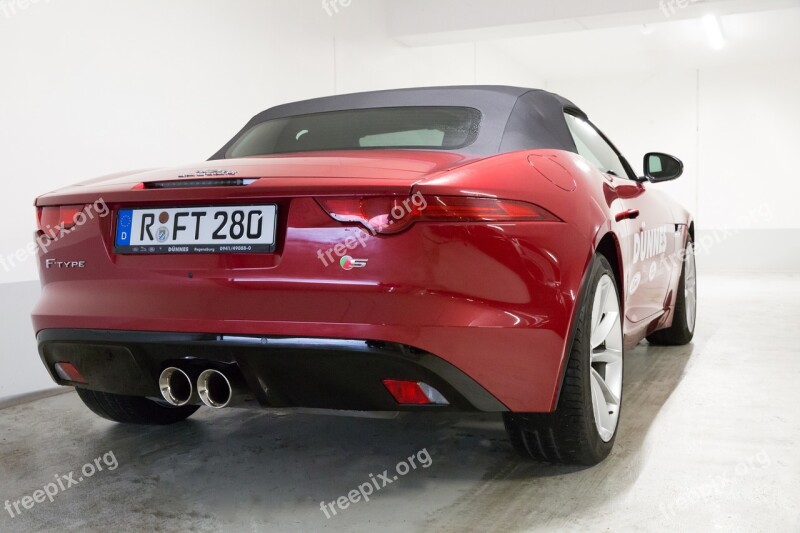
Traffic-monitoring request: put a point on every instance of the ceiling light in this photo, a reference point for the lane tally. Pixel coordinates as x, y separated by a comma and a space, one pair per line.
714, 31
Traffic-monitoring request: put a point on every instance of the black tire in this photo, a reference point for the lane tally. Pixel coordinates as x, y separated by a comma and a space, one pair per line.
568, 435
133, 409
682, 331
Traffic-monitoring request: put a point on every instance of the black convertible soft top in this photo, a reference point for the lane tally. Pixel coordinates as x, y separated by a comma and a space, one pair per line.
513, 118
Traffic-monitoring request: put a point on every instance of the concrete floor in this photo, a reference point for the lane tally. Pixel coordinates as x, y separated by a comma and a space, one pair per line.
710, 440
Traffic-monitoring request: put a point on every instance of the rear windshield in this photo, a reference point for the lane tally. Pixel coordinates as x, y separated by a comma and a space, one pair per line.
428, 128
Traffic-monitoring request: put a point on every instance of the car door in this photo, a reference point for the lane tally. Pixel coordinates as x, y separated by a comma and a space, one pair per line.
643, 223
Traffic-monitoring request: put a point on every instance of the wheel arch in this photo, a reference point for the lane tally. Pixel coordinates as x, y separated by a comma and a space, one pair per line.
607, 246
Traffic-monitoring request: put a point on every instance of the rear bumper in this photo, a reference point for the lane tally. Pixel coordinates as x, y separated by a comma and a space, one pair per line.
278, 371
514, 354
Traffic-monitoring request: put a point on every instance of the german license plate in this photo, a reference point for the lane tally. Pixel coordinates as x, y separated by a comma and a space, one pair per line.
197, 230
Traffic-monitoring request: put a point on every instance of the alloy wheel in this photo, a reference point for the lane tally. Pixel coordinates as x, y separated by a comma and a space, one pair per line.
606, 358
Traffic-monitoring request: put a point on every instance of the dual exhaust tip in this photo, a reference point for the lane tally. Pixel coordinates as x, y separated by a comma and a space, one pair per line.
213, 387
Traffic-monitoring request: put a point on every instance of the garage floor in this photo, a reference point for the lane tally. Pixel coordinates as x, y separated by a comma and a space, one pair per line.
710, 440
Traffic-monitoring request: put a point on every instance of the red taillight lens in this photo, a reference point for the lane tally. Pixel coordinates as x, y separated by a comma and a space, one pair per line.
384, 214
464, 209
393, 214
61, 217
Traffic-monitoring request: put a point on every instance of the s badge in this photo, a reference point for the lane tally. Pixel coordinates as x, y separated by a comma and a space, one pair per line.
348, 263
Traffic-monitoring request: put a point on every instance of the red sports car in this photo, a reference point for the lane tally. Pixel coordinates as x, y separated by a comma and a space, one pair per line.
456, 248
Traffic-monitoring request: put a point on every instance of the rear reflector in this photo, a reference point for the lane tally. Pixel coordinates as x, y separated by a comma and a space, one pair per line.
414, 393
68, 372
393, 214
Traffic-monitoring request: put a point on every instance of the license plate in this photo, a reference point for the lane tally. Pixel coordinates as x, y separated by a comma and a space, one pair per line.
196, 230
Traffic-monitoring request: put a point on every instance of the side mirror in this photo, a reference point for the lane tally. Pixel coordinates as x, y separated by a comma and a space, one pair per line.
660, 167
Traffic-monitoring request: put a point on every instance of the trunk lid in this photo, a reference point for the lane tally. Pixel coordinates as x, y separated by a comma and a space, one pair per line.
291, 174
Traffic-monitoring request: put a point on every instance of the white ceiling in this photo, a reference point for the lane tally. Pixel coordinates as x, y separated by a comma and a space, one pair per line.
426, 22
591, 38
752, 39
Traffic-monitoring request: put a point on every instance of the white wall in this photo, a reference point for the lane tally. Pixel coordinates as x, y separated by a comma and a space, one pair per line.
735, 128
749, 133
369, 58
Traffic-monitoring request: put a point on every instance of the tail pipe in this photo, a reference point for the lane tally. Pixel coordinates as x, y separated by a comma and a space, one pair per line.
176, 387
219, 390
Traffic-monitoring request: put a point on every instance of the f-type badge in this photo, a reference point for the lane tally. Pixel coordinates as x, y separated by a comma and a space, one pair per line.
52, 263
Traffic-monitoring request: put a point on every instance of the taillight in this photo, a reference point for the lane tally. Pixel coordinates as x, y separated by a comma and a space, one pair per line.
58, 217
393, 214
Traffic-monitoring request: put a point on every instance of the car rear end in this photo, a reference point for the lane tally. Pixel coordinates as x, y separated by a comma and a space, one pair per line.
375, 258
449, 311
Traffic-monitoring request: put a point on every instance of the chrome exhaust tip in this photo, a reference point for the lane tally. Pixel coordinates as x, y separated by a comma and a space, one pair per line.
214, 389
176, 387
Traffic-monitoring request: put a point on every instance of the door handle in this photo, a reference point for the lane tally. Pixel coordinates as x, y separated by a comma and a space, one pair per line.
629, 214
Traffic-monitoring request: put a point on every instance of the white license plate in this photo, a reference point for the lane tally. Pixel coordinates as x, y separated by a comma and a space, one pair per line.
197, 230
